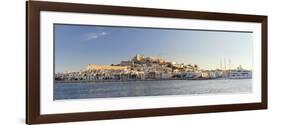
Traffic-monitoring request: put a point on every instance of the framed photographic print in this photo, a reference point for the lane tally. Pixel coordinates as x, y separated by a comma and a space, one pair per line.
94, 62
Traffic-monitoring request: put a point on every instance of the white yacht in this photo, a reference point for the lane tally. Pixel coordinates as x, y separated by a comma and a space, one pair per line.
240, 74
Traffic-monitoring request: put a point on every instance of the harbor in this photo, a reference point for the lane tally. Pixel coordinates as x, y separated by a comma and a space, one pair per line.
141, 68
149, 76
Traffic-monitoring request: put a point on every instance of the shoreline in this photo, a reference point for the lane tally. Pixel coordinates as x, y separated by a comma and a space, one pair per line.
101, 81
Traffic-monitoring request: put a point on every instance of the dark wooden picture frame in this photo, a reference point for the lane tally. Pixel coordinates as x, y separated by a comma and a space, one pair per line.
33, 9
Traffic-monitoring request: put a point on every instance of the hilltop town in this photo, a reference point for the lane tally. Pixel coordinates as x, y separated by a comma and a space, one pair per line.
149, 68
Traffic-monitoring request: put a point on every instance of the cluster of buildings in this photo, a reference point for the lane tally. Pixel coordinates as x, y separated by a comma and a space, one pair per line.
149, 68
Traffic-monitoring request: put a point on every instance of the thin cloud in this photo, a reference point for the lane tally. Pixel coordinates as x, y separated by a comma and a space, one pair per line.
103, 33
94, 35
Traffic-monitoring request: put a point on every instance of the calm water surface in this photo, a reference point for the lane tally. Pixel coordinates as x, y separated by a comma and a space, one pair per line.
150, 88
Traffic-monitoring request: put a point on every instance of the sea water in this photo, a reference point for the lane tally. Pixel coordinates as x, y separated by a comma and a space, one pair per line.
150, 88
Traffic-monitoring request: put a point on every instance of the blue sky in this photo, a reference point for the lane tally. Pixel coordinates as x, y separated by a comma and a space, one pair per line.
79, 45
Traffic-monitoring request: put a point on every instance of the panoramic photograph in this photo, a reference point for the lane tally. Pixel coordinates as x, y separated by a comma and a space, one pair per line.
92, 61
